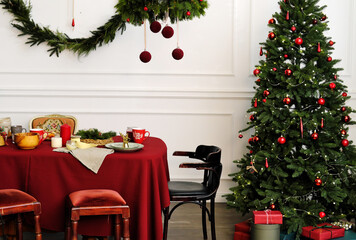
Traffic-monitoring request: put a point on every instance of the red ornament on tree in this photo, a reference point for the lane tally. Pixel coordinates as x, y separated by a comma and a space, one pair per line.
298, 41
264, 100
287, 100
271, 35
73, 23
274, 69
314, 136
331, 43
345, 142
322, 123
319, 48
343, 132
266, 163
315, 21
127, 19
145, 56
321, 101
167, 31
272, 21
266, 93
241, 136
256, 71
155, 27
145, 9
273, 206
288, 72
261, 52
344, 94
177, 54
329, 59
256, 139
252, 117
293, 28
335, 76
318, 182
322, 214
188, 13
250, 141
323, 18
346, 119
332, 86
343, 109
287, 16
286, 56
281, 140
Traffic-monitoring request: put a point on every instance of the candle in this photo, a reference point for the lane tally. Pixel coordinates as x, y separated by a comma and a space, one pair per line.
56, 142
65, 134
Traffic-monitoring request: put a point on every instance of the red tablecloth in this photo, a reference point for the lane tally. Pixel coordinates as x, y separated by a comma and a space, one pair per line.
140, 177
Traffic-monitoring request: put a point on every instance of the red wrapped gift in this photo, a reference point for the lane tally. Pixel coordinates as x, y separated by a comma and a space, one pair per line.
323, 231
267, 217
241, 236
243, 226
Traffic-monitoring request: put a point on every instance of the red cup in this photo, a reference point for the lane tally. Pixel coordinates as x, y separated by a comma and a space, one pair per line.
41, 133
140, 134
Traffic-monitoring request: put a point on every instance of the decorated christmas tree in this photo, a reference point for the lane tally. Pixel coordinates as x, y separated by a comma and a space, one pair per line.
300, 159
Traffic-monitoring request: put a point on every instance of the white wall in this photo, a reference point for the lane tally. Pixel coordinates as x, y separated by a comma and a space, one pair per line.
201, 99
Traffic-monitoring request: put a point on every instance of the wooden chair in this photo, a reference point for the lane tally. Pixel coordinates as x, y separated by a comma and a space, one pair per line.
95, 202
197, 193
53, 122
13, 201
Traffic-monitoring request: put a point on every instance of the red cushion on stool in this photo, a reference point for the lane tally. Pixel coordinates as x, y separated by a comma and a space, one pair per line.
10, 197
96, 197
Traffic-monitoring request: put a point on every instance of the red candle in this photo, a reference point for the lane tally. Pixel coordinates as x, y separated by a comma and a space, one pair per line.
65, 134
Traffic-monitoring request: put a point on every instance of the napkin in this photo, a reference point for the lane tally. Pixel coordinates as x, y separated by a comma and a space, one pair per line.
92, 158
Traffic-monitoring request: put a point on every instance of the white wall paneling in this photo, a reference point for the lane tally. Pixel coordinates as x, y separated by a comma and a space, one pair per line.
201, 99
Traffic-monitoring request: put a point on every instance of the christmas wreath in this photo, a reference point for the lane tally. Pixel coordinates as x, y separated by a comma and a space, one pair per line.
127, 11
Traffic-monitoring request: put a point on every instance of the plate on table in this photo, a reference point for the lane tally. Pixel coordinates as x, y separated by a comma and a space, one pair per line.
119, 146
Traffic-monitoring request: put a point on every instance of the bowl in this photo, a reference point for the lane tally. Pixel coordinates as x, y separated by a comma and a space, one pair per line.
27, 140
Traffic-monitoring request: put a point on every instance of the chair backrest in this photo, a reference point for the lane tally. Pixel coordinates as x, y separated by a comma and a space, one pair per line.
52, 123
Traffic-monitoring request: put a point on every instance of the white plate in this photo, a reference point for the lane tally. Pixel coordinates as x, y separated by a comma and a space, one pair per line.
118, 146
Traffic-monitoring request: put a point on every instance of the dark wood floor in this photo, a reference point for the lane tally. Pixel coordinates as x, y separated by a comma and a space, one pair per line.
185, 224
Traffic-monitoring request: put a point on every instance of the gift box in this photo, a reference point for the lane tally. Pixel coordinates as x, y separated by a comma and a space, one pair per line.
265, 231
323, 231
241, 236
244, 226
286, 236
267, 217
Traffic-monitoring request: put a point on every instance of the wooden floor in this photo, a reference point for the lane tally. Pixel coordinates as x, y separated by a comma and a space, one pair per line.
185, 224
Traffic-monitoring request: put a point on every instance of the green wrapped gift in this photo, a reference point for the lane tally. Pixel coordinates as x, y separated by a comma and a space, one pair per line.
265, 231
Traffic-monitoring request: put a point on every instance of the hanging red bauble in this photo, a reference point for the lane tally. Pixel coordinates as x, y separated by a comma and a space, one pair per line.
127, 19
177, 54
266, 163
329, 59
261, 51
274, 69
255, 104
343, 132
318, 182
250, 141
256, 71
346, 119
332, 86
145, 56
252, 117
345, 142
288, 72
298, 41
331, 43
322, 214
315, 21
271, 35
188, 13
241, 136
285, 56
301, 126
287, 100
282, 140
266, 93
264, 100
293, 28
344, 94
145, 9
155, 27
321, 101
256, 139
287, 16
343, 109
314, 136
272, 206
272, 21
335, 76
167, 31
323, 18
322, 123
73, 23
251, 151
319, 48
258, 81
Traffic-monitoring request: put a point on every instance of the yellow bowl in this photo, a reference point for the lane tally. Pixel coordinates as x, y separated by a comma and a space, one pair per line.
27, 140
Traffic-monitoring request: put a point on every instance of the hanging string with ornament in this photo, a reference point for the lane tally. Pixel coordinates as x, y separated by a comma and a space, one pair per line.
126, 12
177, 53
73, 21
145, 56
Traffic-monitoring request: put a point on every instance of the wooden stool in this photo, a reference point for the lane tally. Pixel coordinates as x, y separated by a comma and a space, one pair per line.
13, 201
94, 202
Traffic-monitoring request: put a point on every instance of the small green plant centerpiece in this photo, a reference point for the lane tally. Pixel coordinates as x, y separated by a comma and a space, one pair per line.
93, 135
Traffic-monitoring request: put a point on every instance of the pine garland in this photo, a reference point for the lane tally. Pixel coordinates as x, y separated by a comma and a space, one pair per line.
127, 11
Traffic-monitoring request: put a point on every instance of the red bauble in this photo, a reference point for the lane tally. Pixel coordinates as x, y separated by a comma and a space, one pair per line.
331, 43
264, 100
167, 31
274, 69
188, 13
258, 80
252, 117
321, 101
318, 182
343, 109
266, 163
315, 21
346, 119
250, 141
287, 100
273, 206
329, 59
177, 54
335, 77
332, 85
155, 27
272, 21
266, 93
288, 72
293, 28
73, 23
344, 94
241, 136
145, 9
322, 214
345, 142
256, 71
281, 140
271, 35
261, 51
314, 136
319, 48
251, 151
127, 19
256, 139
287, 16
286, 56
323, 18
298, 41
145, 56
343, 132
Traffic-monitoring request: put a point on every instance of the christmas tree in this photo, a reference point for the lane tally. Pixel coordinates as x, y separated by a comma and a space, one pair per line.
300, 160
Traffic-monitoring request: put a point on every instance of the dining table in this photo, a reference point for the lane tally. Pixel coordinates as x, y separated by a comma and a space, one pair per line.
141, 177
